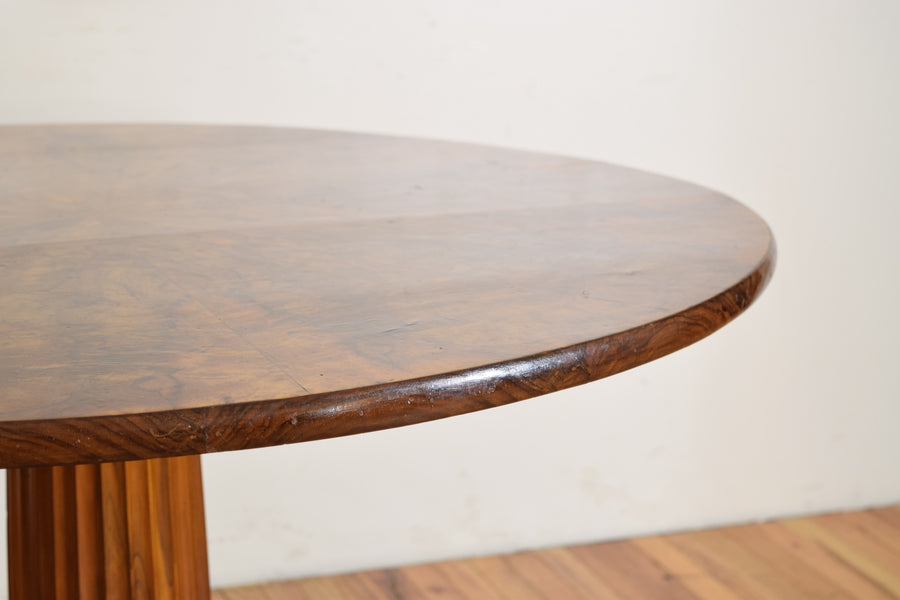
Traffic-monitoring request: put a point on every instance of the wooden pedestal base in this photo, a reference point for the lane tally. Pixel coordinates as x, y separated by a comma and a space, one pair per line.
129, 530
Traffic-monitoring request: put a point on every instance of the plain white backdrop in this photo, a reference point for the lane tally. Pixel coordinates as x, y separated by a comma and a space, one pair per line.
791, 107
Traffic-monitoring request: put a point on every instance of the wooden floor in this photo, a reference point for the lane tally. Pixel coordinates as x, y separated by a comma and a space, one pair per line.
850, 555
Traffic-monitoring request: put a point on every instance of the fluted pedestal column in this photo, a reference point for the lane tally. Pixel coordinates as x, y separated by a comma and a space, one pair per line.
129, 530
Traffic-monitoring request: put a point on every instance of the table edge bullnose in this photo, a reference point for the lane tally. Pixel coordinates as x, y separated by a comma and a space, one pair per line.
257, 424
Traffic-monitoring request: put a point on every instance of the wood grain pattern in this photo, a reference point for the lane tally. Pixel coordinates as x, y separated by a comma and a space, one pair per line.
117, 530
173, 290
762, 561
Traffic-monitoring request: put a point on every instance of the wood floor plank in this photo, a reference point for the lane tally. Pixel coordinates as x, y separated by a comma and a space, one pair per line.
470, 582
851, 556
692, 575
865, 529
888, 520
632, 573
567, 565
825, 563
540, 576
735, 567
786, 566
249, 592
497, 572
889, 514
426, 581
865, 559
369, 585
309, 589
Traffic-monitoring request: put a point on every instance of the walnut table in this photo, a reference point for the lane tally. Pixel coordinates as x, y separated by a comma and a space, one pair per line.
167, 291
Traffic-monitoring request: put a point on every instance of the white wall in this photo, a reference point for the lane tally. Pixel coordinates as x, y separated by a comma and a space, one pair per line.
791, 107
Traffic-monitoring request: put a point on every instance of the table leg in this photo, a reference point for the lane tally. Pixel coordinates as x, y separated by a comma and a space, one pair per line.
128, 530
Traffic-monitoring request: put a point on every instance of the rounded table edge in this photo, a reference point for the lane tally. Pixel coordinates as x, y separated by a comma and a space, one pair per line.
259, 424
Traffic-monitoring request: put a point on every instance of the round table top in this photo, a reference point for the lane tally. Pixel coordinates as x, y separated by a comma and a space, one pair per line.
177, 290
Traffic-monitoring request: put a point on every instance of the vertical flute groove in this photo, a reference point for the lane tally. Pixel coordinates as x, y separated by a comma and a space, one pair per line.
126, 531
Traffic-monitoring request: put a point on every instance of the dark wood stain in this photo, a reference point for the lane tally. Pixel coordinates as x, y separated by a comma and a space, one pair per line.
173, 290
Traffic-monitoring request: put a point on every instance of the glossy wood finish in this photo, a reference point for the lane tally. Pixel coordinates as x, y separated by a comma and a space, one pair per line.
175, 290
847, 556
115, 530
